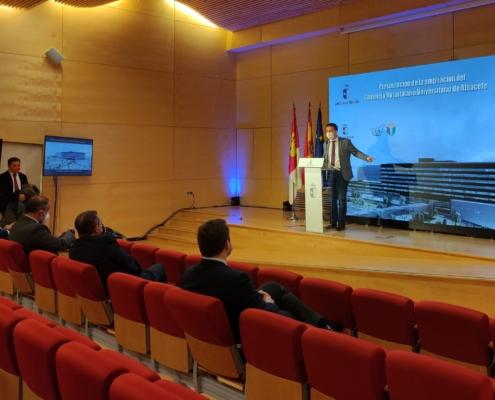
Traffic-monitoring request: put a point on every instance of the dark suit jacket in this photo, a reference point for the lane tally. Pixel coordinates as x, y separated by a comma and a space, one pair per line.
234, 288
7, 188
105, 254
346, 148
35, 236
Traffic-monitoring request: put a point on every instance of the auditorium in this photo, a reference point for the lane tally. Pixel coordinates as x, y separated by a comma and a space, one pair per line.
165, 115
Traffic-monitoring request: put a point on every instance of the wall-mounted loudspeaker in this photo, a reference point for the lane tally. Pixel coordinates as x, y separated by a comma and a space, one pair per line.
54, 55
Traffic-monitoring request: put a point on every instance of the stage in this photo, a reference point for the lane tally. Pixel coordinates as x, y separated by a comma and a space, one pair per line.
421, 265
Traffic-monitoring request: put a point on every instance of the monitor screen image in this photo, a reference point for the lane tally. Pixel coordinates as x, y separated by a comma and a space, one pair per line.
429, 129
65, 156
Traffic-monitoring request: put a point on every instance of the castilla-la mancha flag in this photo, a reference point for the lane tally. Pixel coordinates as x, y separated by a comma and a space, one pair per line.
295, 181
308, 142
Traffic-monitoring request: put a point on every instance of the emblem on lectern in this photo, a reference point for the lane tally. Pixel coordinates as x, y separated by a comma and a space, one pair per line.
312, 191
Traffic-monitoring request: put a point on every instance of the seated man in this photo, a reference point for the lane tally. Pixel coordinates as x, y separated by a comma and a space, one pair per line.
212, 277
105, 254
33, 234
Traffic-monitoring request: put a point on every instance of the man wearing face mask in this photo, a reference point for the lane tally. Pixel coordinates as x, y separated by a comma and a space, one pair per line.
337, 155
33, 234
104, 253
212, 277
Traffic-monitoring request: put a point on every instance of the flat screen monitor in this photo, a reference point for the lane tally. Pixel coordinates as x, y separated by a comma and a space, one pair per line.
66, 156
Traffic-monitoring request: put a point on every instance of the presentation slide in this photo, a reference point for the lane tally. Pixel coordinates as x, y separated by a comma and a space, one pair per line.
429, 129
64, 156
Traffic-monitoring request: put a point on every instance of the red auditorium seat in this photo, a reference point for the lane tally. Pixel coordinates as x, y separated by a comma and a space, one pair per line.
29, 314
130, 320
209, 335
41, 268
343, 367
290, 280
35, 347
6, 282
15, 259
455, 334
10, 376
192, 259
5, 301
75, 336
414, 376
84, 373
69, 309
385, 319
168, 344
274, 359
126, 245
144, 254
173, 262
84, 281
249, 269
133, 387
330, 299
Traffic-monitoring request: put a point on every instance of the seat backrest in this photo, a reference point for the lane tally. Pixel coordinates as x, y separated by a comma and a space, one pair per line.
192, 259
274, 363
206, 326
126, 293
83, 280
290, 280
58, 276
144, 254
5, 301
75, 336
8, 320
330, 299
83, 375
385, 316
35, 347
126, 245
251, 270
30, 314
173, 262
343, 367
455, 332
413, 376
13, 256
41, 267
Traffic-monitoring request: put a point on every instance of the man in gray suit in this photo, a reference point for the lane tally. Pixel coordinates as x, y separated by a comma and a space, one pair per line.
337, 154
33, 234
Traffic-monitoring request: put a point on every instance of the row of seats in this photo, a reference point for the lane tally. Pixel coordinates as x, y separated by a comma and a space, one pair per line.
42, 360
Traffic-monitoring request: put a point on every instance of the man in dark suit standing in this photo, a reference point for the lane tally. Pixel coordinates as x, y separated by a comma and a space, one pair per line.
11, 181
212, 277
104, 253
337, 155
33, 234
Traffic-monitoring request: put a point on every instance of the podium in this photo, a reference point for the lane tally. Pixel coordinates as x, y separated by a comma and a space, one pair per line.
313, 193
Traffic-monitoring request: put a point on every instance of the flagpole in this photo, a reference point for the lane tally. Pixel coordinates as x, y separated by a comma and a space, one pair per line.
293, 161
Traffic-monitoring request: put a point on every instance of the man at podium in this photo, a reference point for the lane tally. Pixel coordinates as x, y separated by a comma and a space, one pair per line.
337, 154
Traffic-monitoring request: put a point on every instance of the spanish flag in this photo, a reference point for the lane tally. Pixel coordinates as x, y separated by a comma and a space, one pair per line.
295, 181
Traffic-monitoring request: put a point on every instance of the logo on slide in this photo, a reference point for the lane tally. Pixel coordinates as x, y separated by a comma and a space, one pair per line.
345, 92
345, 130
378, 130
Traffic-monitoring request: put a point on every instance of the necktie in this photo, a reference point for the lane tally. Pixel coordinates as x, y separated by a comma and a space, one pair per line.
16, 186
332, 157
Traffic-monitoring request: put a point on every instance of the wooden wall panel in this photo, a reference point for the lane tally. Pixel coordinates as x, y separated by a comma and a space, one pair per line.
27, 131
401, 62
162, 9
254, 103
301, 88
262, 153
31, 32
30, 89
201, 51
254, 63
475, 51
204, 102
207, 192
319, 52
245, 37
204, 154
280, 192
304, 24
111, 36
256, 192
474, 26
421, 36
130, 208
125, 153
245, 153
111, 95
